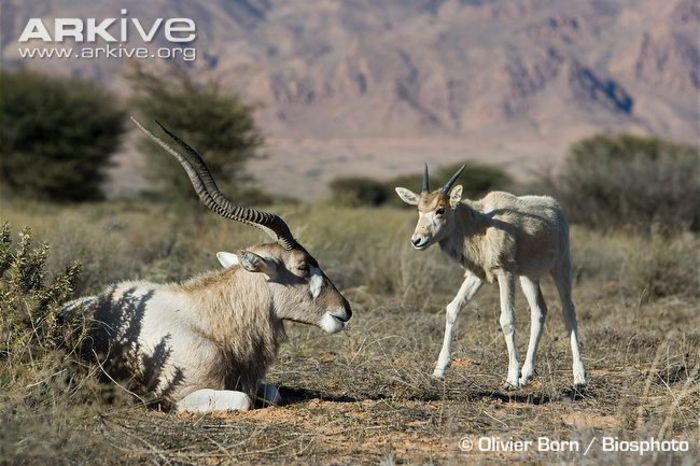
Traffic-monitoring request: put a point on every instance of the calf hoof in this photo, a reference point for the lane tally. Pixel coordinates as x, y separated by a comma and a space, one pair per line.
524, 381
580, 387
526, 378
511, 386
437, 375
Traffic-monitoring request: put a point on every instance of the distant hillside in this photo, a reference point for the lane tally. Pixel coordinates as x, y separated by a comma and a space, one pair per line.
376, 87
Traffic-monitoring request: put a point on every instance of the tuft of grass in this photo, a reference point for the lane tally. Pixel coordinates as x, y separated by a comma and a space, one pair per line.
648, 267
663, 266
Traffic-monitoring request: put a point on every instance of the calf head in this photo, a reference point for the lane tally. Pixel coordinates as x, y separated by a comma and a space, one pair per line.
435, 210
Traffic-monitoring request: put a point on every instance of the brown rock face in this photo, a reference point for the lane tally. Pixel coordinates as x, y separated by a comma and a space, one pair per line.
477, 77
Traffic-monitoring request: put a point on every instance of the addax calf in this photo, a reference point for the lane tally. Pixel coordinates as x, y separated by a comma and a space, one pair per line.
500, 238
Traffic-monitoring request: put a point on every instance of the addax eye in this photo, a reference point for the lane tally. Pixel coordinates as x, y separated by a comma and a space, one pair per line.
304, 269
440, 211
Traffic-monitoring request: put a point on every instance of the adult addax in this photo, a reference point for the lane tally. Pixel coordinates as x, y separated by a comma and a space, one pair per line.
207, 343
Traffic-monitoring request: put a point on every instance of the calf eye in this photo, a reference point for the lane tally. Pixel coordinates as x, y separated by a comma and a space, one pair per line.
304, 268
440, 211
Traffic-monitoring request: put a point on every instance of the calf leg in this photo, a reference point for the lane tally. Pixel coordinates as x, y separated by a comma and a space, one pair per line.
538, 314
563, 281
208, 400
506, 283
470, 286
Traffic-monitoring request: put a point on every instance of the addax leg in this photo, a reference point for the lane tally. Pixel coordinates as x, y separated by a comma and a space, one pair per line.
208, 400
469, 287
538, 314
563, 282
506, 283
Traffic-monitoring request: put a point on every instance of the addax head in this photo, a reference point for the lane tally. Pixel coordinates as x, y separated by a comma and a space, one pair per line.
301, 291
435, 209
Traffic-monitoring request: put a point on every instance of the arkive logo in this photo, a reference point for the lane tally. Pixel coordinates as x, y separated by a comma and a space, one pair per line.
119, 30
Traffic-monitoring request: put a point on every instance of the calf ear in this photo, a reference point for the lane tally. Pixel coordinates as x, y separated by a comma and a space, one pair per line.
254, 263
227, 259
455, 196
408, 196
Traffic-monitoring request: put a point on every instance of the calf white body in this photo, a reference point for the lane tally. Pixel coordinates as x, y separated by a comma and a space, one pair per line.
501, 238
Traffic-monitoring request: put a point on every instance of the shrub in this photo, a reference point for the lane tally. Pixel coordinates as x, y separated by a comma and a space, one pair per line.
49, 397
358, 191
35, 340
623, 180
29, 320
56, 136
218, 124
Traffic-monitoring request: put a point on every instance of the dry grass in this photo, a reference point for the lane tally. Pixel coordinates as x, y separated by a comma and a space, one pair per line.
365, 396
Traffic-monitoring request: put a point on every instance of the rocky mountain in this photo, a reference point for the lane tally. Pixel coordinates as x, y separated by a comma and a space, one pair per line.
360, 86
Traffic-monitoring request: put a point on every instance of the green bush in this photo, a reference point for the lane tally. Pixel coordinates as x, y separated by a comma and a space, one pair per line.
48, 394
56, 136
216, 123
358, 191
630, 181
35, 340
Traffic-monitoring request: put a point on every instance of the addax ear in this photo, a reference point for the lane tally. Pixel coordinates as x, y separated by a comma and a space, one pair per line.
455, 196
254, 263
227, 259
408, 196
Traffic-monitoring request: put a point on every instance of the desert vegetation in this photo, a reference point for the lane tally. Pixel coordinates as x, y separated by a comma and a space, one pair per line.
56, 136
365, 396
626, 181
216, 122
